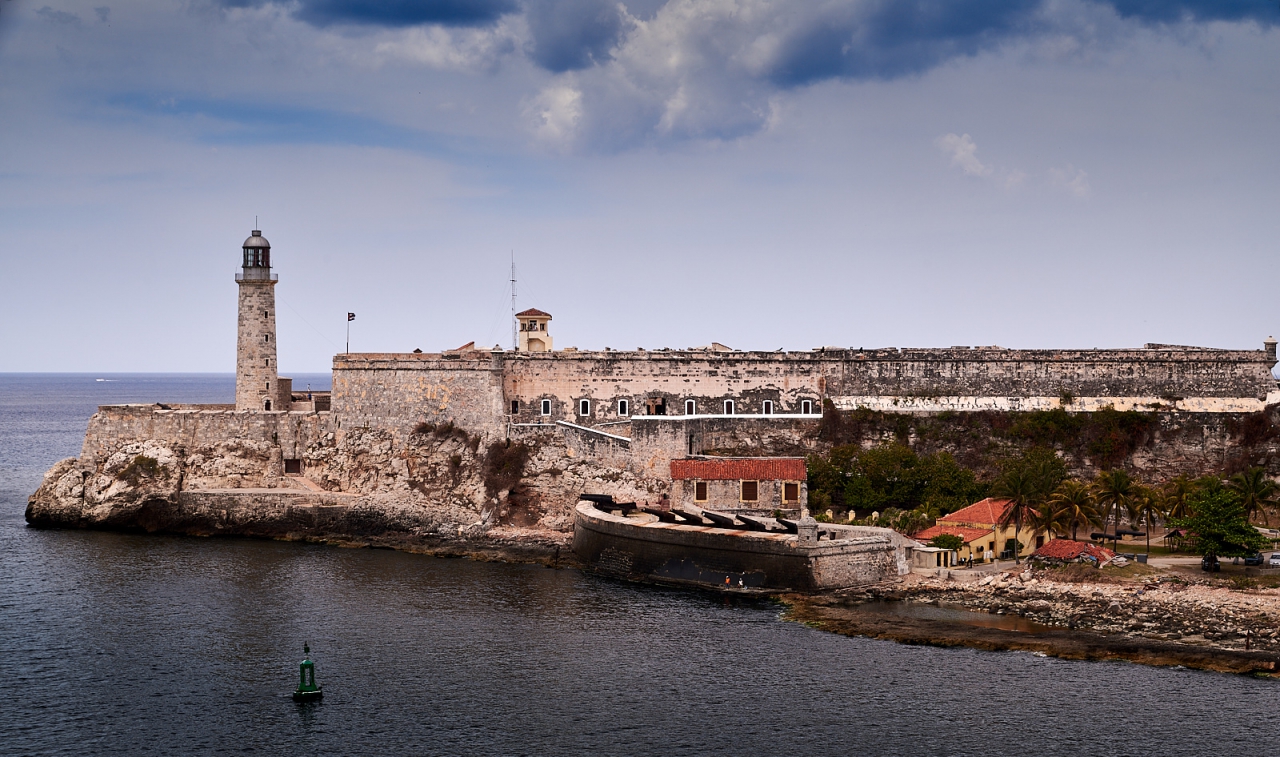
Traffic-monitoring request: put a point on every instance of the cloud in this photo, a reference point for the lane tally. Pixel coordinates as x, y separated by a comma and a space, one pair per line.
649, 71
390, 13
58, 17
1164, 11
103, 12
573, 34
1073, 179
963, 154
556, 113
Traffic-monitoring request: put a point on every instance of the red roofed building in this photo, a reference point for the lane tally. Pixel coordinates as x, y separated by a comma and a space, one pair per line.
1066, 550
978, 525
740, 483
533, 331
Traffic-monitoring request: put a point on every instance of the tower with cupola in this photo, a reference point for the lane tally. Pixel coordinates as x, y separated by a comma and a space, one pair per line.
258, 386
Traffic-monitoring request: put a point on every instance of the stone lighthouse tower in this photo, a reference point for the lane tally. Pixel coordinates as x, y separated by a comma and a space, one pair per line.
257, 385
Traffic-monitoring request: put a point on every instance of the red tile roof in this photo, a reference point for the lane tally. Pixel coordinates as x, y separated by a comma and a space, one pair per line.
749, 468
987, 512
533, 313
964, 532
1066, 549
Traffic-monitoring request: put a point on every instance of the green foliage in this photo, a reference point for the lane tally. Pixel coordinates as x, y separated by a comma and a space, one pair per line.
1218, 526
1031, 477
890, 476
1048, 427
1113, 435
504, 465
447, 430
946, 541
822, 518
139, 468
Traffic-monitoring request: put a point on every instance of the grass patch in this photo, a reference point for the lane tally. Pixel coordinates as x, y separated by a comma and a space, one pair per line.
139, 469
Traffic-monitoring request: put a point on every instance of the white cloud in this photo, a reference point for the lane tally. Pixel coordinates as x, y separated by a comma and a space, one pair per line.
555, 114
457, 49
963, 154
1073, 179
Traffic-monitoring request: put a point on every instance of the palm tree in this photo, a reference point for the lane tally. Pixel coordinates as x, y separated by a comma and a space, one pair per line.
1050, 518
1023, 489
1074, 500
1257, 492
1147, 507
1115, 491
1174, 497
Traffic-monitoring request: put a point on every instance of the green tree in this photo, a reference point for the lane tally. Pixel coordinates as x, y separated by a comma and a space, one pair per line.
1075, 501
1218, 526
1174, 496
1115, 492
1257, 493
946, 541
1147, 506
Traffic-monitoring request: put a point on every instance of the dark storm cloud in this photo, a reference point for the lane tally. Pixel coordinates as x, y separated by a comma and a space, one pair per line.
393, 13
572, 34
888, 39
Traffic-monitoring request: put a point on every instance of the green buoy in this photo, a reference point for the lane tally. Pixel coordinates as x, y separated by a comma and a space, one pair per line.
307, 691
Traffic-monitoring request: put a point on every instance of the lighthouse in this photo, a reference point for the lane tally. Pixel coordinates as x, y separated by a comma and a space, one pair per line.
258, 386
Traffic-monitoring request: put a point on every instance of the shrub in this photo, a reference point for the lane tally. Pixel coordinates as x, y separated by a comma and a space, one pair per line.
139, 468
504, 465
946, 541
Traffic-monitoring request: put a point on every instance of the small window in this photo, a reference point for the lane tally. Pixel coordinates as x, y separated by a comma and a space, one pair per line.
266, 405
293, 466
690, 407
624, 408
546, 407
515, 407
728, 407
584, 407
700, 491
268, 386
767, 407
266, 337
791, 492
806, 407
750, 491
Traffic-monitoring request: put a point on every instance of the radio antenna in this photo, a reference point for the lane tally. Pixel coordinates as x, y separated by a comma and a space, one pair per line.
515, 343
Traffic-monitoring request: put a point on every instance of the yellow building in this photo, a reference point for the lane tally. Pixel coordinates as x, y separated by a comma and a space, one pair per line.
977, 526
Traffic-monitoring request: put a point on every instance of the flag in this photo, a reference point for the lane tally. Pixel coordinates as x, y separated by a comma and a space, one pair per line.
351, 316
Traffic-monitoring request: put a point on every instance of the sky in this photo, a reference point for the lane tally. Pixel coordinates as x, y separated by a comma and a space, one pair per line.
762, 173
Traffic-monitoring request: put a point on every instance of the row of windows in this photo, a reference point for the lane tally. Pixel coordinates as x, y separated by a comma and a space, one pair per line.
750, 491
257, 257
690, 407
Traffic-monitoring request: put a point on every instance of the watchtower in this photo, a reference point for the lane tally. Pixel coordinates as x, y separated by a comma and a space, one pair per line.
257, 384
533, 331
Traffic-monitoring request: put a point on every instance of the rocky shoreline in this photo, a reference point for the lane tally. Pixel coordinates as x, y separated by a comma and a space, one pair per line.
1157, 620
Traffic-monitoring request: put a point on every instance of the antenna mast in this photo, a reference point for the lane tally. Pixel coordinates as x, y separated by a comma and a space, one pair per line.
515, 343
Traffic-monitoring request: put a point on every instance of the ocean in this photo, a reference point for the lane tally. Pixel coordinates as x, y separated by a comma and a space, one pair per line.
133, 644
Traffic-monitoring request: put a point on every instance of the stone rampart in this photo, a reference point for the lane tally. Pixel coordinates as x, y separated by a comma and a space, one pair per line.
397, 391
908, 380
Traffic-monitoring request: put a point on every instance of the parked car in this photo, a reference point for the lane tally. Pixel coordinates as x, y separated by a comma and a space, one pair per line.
1274, 562
1253, 559
1210, 564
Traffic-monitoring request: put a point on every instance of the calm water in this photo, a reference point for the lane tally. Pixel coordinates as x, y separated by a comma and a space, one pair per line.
113, 644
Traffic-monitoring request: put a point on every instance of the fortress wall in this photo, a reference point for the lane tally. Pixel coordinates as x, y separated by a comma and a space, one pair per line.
397, 391
1192, 380
1154, 373
708, 378
113, 426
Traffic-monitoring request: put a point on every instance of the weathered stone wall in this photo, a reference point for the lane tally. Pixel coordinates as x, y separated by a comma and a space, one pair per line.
397, 391
1191, 380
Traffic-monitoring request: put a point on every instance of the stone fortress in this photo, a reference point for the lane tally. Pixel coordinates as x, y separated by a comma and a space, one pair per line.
474, 444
